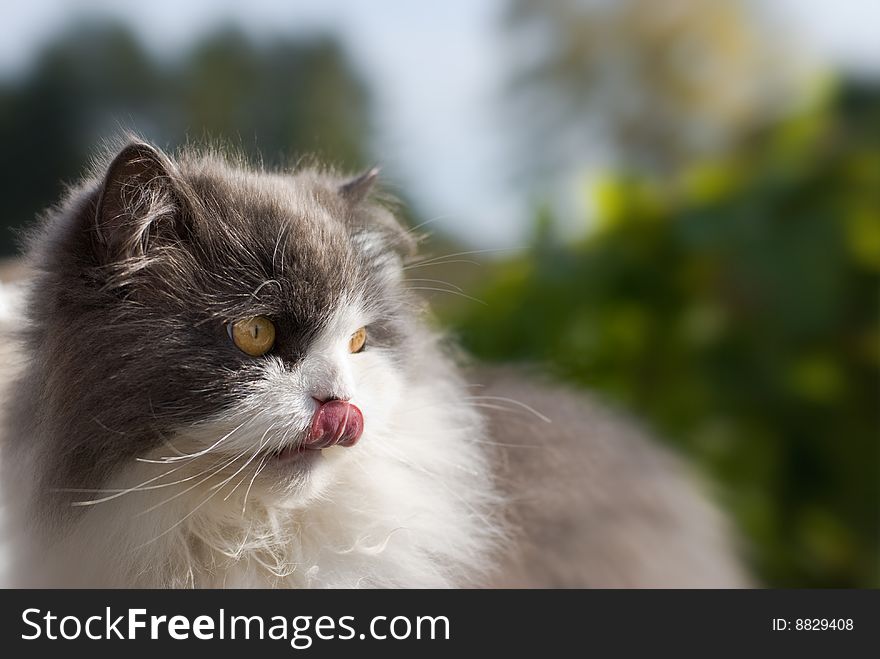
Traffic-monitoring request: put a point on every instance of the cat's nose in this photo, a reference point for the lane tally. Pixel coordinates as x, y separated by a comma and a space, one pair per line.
336, 422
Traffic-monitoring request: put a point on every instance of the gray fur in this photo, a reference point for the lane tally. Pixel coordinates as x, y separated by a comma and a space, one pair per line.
593, 500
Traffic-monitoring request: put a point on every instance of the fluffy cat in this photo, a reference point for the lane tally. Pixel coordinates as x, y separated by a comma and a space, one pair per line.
218, 378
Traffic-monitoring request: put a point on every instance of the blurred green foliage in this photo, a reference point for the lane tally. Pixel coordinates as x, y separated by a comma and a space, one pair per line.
737, 312
272, 100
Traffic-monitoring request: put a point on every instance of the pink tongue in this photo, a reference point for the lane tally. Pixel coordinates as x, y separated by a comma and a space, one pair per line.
335, 422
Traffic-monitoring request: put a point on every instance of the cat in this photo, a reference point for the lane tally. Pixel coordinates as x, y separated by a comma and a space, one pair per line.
217, 376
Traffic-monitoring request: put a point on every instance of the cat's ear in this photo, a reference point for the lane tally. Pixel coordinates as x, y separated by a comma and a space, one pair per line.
358, 189
137, 203
375, 221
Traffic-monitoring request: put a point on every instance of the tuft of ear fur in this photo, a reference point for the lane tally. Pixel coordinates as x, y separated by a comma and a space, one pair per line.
376, 219
136, 204
358, 189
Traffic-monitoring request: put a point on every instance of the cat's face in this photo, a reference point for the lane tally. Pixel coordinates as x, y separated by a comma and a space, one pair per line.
246, 327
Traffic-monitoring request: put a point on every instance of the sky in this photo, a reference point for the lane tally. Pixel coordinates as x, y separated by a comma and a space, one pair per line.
437, 71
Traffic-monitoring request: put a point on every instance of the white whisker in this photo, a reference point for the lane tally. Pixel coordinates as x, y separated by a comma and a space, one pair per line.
443, 290
257, 451
438, 281
247, 492
192, 487
520, 404
470, 252
166, 460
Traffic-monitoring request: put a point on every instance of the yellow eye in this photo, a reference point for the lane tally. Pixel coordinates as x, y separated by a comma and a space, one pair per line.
358, 340
253, 336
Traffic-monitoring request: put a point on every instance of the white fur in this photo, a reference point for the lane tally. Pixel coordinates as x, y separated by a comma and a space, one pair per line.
409, 505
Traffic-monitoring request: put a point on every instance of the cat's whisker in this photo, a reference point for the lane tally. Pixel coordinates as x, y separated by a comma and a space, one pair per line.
513, 401
438, 281
247, 492
172, 447
257, 452
469, 253
141, 487
443, 290
195, 485
416, 264
502, 408
144, 486
196, 509
188, 456
427, 222
117, 492
243, 478
137, 488
487, 442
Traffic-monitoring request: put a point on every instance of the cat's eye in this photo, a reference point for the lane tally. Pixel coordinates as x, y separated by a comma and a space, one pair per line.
358, 340
253, 336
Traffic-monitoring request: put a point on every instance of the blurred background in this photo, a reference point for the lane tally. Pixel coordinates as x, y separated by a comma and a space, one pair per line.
674, 204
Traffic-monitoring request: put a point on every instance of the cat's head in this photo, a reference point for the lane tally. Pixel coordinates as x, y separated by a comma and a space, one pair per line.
200, 314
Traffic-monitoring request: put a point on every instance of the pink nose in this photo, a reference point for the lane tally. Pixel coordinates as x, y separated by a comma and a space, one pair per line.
337, 422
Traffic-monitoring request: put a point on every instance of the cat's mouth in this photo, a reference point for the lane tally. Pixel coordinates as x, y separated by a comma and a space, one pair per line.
335, 423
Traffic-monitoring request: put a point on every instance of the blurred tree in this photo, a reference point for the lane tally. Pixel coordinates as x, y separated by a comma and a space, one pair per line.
738, 313
275, 100
282, 99
650, 84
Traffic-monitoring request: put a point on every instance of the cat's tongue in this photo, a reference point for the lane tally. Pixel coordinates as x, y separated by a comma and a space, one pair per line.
336, 422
